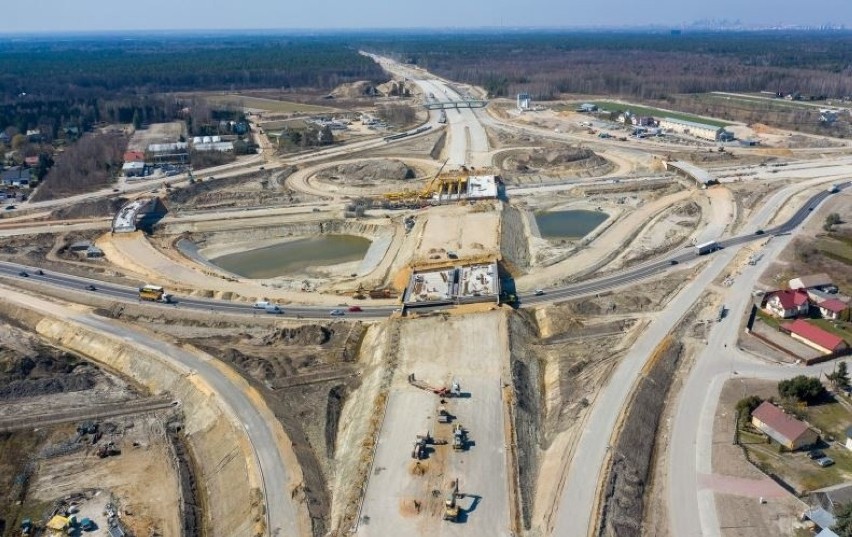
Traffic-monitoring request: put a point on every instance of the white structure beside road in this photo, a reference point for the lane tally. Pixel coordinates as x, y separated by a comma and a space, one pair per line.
692, 128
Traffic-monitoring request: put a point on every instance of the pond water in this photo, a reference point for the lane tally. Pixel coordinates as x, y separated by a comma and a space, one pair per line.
568, 224
294, 256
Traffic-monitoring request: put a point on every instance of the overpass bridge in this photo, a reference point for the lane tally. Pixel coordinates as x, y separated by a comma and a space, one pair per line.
444, 105
138, 213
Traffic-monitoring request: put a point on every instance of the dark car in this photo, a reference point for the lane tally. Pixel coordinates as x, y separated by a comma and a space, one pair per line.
23, 274
91, 287
355, 308
40, 272
825, 462
10, 207
673, 261
816, 454
759, 232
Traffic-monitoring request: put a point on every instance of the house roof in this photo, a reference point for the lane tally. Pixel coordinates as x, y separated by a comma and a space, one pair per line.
826, 532
814, 334
834, 305
133, 156
821, 517
775, 418
790, 299
810, 280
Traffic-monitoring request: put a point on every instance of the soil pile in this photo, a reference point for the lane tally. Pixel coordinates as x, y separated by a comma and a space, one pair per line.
540, 160
45, 371
370, 171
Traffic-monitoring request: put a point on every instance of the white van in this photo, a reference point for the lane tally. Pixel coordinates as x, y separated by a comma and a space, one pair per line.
272, 308
261, 304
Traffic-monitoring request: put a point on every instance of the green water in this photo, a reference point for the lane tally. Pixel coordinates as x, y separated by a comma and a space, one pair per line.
568, 224
294, 256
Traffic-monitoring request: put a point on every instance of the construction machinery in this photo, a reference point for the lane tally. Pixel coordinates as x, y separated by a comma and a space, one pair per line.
443, 415
451, 506
107, 450
420, 443
442, 187
453, 391
459, 437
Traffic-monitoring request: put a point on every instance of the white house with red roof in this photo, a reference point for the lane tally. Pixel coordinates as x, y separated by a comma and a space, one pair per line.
832, 308
788, 303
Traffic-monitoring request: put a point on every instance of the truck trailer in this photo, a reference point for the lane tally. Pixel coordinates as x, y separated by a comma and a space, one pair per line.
707, 247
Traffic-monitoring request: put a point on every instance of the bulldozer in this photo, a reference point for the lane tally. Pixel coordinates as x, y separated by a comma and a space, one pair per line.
451, 506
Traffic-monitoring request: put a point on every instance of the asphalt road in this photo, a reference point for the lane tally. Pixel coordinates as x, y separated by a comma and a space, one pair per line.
595, 285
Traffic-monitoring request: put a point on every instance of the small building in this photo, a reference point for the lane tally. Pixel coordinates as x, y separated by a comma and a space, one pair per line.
34, 136
587, 108
133, 169
134, 156
80, 246
788, 303
220, 147
692, 128
815, 337
783, 428
832, 308
16, 176
819, 281
848, 443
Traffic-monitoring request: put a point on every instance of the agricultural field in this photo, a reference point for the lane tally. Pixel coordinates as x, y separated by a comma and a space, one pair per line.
266, 105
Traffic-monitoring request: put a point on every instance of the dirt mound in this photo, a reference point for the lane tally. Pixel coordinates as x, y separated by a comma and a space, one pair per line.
539, 160
362, 88
372, 170
85, 209
44, 372
311, 334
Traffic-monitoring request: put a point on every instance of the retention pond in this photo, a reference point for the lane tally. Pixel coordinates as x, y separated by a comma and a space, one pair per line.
294, 256
568, 224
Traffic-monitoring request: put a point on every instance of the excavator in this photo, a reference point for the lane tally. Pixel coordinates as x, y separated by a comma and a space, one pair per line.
451, 506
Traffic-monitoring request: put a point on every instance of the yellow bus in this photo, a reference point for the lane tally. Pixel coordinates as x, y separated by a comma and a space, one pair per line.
153, 292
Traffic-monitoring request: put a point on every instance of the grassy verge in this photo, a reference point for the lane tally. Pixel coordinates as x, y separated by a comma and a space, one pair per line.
656, 112
269, 105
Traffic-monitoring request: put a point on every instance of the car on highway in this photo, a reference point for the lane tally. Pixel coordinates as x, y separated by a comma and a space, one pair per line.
355, 309
673, 261
539, 292
40, 272
262, 304
759, 232
274, 308
91, 287
23, 274
825, 462
336, 312
10, 207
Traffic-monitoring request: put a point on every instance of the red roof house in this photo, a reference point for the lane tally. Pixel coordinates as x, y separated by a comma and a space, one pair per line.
783, 428
787, 303
832, 308
31, 162
814, 336
134, 156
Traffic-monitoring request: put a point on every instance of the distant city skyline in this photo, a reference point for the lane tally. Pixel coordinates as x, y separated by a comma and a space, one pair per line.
45, 16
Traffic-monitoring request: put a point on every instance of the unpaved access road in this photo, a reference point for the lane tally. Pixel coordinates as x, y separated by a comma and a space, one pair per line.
472, 349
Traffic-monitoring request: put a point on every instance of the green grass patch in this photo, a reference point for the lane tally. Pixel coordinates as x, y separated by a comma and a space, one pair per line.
837, 247
830, 418
269, 105
768, 319
657, 113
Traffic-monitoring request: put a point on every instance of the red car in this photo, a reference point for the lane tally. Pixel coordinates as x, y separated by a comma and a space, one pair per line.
355, 308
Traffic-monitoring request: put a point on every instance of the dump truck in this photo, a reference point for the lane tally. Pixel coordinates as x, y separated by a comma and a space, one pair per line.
453, 391
451, 506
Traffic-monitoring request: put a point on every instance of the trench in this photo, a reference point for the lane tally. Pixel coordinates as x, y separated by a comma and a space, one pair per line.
191, 508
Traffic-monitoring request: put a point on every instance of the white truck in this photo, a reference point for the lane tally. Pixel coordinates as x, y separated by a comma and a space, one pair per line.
706, 247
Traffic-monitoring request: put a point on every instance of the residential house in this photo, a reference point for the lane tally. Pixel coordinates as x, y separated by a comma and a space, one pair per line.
692, 128
16, 176
133, 169
31, 162
783, 428
819, 281
815, 337
34, 136
787, 303
832, 308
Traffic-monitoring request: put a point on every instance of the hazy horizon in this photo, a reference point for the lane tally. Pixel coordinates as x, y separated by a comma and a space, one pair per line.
102, 16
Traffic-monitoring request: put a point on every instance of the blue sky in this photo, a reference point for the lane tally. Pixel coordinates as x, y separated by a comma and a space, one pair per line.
112, 15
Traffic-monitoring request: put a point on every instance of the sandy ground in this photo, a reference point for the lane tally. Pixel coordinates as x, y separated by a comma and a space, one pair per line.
154, 506
737, 484
609, 241
459, 229
156, 133
479, 365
